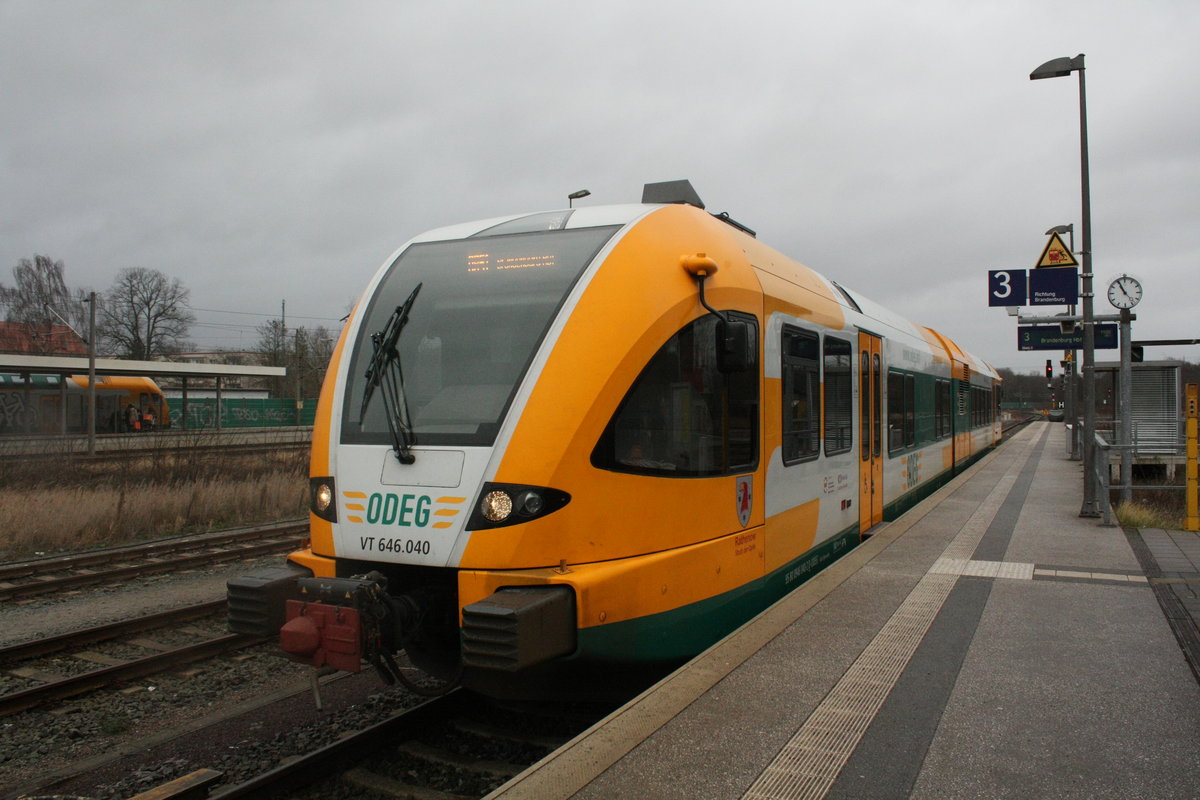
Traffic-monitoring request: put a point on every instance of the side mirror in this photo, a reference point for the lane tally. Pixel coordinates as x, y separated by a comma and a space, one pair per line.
735, 346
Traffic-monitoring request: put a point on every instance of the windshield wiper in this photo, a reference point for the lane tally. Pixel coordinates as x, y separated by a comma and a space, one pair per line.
385, 371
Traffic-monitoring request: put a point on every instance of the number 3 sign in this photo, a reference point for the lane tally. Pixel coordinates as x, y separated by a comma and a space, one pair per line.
1007, 287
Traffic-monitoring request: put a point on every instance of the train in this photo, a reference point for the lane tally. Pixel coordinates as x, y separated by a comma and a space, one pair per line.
566, 450
51, 403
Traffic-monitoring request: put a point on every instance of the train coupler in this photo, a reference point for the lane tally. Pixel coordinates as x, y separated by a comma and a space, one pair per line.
340, 622
320, 635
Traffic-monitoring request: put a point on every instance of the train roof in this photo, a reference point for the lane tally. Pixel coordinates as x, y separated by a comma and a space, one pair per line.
655, 197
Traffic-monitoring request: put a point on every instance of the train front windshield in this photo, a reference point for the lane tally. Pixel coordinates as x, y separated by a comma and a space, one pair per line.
484, 306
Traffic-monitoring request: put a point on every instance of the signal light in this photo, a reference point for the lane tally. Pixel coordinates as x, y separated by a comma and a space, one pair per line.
1049, 369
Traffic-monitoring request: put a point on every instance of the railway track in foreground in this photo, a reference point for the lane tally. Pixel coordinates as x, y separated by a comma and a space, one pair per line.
36, 666
61, 573
452, 747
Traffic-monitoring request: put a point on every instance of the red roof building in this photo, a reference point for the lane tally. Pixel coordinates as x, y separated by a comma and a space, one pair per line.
56, 340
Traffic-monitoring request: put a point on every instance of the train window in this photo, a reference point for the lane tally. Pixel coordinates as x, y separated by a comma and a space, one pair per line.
941, 416
895, 411
910, 410
980, 406
683, 417
902, 411
877, 383
864, 407
800, 370
483, 308
839, 398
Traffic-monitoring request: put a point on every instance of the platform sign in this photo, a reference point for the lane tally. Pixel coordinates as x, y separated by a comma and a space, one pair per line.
1007, 287
1054, 287
1051, 337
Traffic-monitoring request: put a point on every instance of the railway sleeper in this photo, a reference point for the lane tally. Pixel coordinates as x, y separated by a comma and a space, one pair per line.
479, 766
365, 779
489, 731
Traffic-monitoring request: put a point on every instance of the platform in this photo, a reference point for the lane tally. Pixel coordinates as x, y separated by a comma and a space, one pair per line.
989, 644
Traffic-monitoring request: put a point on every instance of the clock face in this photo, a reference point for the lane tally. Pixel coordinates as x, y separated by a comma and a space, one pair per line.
1125, 292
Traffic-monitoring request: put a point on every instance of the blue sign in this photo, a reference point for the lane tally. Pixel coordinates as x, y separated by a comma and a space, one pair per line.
1051, 337
1007, 287
1054, 287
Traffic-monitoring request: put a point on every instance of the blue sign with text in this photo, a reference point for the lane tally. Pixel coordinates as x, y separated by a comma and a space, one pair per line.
1051, 337
1054, 287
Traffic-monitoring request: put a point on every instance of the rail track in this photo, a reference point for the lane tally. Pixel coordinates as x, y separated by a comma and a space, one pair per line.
25, 661
1011, 427
23, 448
60, 573
451, 747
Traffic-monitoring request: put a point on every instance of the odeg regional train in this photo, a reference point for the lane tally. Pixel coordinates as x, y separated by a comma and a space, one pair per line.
557, 447
46, 403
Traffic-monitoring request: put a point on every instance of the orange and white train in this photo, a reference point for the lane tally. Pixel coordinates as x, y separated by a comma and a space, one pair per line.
555, 448
49, 403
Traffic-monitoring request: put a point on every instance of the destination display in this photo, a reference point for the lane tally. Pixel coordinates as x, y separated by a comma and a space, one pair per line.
1051, 337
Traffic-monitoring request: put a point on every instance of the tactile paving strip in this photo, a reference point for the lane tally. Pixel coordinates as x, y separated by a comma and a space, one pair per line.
807, 766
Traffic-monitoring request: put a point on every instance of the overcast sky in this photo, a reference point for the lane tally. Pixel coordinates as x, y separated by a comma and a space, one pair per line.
265, 152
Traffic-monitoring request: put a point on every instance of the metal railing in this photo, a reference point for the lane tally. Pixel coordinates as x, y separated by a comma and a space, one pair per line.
1102, 475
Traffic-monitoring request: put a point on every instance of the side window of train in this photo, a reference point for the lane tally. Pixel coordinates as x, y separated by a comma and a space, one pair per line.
801, 374
683, 416
941, 419
839, 397
864, 409
902, 411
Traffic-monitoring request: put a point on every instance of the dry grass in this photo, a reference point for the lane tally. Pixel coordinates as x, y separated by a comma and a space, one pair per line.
72, 505
1145, 514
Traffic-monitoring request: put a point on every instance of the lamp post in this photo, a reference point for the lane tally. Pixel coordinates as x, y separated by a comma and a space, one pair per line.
1069, 355
573, 196
1058, 68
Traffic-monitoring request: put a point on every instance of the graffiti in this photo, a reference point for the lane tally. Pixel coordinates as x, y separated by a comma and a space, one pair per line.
912, 470
242, 413
14, 414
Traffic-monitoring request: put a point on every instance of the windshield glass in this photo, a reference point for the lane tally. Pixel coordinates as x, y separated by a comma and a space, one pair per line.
484, 306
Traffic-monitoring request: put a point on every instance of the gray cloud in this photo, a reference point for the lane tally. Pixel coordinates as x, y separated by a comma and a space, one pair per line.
265, 151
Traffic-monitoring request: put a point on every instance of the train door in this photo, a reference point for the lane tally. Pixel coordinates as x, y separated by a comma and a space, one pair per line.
870, 431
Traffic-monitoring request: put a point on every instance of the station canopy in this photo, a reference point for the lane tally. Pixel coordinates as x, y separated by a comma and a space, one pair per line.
70, 365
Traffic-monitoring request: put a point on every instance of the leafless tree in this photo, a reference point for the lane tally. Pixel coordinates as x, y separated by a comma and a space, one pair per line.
145, 315
304, 352
39, 291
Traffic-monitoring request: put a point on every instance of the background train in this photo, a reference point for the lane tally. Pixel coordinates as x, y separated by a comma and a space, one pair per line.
58, 404
557, 448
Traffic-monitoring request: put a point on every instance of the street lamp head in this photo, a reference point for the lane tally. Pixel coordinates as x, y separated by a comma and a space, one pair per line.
573, 196
1057, 68
1068, 228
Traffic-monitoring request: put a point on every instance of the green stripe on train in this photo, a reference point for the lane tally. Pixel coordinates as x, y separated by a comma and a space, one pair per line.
683, 632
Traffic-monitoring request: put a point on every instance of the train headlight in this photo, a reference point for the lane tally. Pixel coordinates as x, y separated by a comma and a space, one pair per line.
531, 503
324, 497
503, 504
320, 498
496, 506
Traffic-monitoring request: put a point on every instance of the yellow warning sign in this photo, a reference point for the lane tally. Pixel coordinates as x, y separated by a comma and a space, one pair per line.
1056, 254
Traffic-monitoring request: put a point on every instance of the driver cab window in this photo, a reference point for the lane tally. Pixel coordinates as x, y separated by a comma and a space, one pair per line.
683, 416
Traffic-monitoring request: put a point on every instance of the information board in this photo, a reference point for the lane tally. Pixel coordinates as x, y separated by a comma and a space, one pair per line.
1051, 337
1054, 287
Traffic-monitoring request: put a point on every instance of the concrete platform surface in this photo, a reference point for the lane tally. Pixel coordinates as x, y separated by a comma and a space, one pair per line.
989, 644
